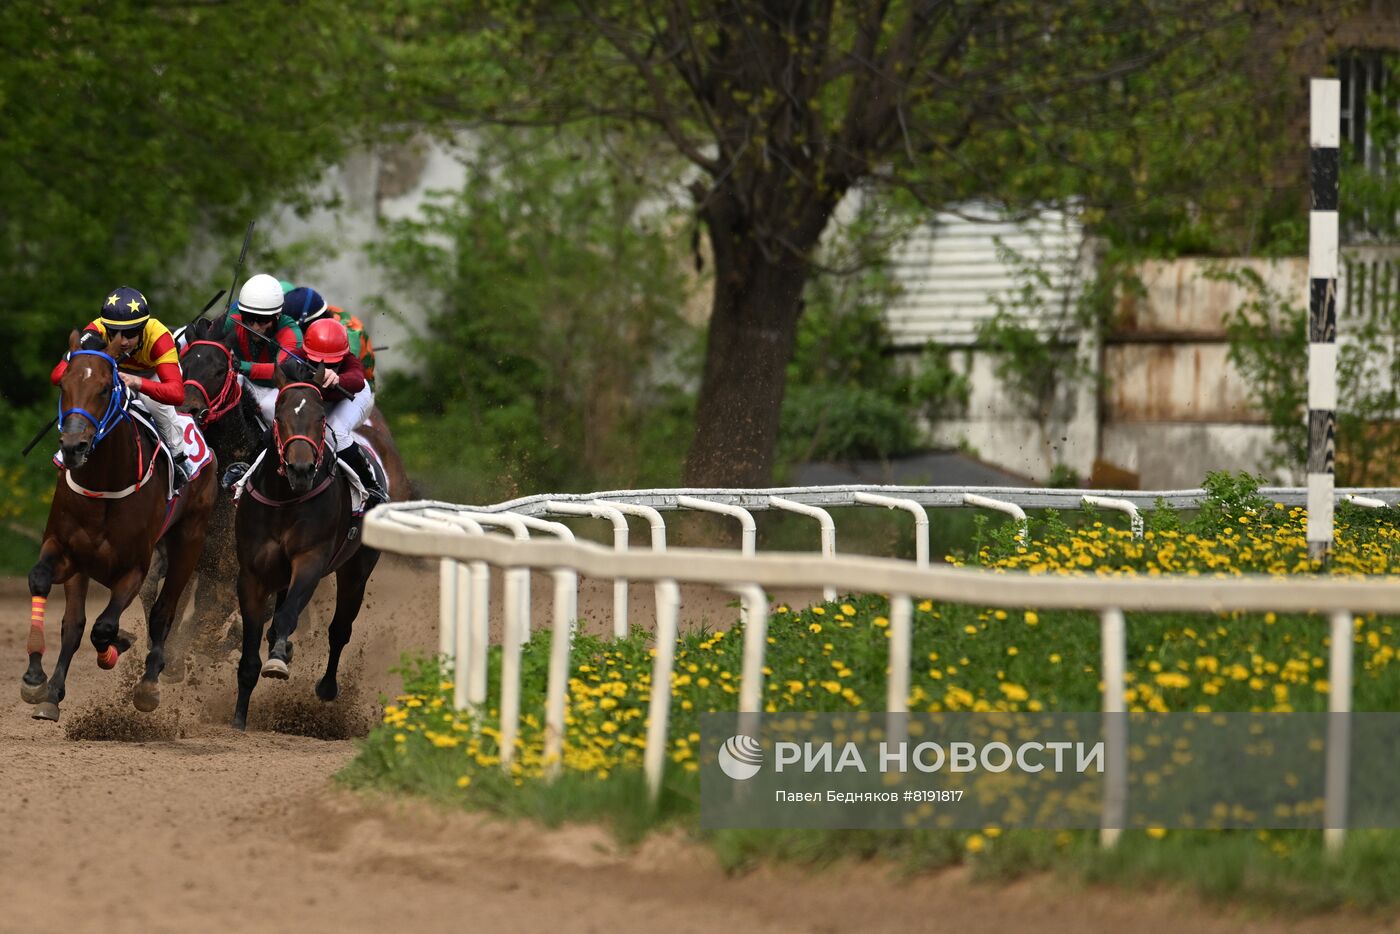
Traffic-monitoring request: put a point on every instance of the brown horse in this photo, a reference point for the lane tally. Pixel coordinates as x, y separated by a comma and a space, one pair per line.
109, 509
214, 397
295, 525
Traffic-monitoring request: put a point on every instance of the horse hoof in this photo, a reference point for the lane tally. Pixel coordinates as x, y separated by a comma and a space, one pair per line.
107, 658
146, 697
275, 668
240, 724
34, 693
327, 692
46, 711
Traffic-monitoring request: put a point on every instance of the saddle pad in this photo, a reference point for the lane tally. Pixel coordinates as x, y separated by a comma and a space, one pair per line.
198, 454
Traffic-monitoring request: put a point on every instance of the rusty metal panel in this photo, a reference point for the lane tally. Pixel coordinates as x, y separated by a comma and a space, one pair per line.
1174, 382
1182, 299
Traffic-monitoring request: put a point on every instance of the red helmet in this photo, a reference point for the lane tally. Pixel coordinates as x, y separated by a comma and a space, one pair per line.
326, 341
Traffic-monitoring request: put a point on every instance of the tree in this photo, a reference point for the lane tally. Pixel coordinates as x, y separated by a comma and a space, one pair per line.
782, 108
555, 300
135, 131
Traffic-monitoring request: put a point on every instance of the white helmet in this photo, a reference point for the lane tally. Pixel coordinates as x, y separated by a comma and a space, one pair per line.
261, 296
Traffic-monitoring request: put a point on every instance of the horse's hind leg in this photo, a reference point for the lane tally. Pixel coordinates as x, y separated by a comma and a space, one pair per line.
74, 622
33, 686
185, 542
350, 583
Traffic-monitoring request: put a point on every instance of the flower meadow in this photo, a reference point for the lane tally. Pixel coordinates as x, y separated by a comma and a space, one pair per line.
832, 657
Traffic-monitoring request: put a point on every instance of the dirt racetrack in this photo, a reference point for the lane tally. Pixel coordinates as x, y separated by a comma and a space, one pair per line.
119, 822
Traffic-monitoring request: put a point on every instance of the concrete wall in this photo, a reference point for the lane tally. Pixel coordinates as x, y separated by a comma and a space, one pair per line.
372, 186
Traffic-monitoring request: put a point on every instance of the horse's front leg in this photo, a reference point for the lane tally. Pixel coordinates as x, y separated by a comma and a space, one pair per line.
306, 574
33, 686
74, 622
107, 637
252, 604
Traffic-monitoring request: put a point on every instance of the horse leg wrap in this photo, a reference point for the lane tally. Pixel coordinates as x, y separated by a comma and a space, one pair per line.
35, 645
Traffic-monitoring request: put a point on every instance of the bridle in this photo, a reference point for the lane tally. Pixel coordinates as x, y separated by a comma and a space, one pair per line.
230, 393
317, 444
117, 402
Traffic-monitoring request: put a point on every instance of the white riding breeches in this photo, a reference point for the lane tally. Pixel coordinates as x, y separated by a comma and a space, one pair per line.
342, 418
264, 396
347, 415
163, 417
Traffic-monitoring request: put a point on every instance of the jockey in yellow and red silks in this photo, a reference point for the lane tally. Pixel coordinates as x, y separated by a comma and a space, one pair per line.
147, 361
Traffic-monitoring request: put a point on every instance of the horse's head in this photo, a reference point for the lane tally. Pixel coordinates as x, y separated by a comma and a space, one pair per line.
90, 402
299, 427
211, 380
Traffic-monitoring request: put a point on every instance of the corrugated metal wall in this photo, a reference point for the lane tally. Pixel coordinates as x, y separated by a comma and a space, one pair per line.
956, 268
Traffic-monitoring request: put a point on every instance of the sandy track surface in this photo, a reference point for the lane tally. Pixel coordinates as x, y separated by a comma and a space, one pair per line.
117, 821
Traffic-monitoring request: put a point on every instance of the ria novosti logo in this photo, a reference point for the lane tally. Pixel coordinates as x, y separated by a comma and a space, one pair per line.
740, 757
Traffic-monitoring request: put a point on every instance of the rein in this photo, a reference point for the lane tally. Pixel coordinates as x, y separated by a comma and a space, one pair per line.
229, 395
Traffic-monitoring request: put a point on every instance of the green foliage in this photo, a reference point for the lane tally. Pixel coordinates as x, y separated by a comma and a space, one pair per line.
848, 397
1268, 343
132, 128
1137, 111
555, 355
1045, 331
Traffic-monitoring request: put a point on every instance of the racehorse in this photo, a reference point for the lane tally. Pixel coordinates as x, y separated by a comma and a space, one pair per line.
110, 507
294, 525
214, 397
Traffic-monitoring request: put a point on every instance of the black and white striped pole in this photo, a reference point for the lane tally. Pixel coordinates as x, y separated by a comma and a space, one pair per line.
1322, 311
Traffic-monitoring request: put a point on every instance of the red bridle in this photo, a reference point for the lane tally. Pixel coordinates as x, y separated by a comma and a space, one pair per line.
317, 444
230, 394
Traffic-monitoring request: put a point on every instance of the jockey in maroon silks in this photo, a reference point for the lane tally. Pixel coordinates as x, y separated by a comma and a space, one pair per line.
349, 399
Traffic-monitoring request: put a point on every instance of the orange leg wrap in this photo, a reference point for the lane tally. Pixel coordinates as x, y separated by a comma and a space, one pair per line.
36, 625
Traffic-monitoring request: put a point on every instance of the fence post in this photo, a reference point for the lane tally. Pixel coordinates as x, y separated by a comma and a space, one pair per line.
659, 705
1011, 509
920, 520
897, 685
619, 524
1113, 635
828, 530
565, 581
1339, 673
755, 647
1324, 141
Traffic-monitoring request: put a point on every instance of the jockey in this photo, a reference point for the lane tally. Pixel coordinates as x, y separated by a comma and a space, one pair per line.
307, 306
147, 363
349, 399
260, 310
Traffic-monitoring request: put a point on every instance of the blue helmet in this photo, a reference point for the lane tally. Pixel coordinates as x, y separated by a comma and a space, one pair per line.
124, 310
304, 305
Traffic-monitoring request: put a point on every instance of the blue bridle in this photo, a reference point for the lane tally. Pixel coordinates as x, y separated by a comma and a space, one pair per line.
116, 403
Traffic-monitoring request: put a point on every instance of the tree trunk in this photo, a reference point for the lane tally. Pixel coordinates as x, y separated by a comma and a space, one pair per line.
753, 326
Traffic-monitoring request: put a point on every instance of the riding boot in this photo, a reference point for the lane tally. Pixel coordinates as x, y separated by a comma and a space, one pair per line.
181, 474
231, 476
355, 459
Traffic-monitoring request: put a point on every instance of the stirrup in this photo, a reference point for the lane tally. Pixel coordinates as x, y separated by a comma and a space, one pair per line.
234, 473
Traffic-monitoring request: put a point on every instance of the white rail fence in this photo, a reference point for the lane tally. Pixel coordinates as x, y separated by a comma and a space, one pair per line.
457, 535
